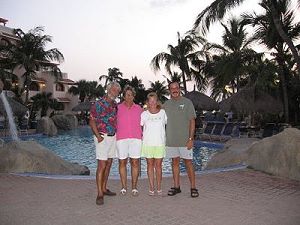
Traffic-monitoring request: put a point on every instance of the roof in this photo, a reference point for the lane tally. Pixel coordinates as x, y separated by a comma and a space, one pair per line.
66, 81
63, 100
4, 21
47, 63
39, 80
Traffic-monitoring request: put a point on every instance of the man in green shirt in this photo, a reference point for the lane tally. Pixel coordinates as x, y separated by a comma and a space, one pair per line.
180, 137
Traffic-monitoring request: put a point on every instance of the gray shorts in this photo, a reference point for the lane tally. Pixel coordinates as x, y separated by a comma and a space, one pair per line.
182, 152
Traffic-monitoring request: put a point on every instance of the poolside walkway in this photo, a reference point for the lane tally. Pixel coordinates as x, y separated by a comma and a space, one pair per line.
240, 197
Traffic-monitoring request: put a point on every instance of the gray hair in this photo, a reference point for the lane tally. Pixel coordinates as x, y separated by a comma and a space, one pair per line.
113, 83
128, 88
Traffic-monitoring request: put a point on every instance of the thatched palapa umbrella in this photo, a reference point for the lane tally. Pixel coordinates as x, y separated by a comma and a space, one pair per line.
249, 100
202, 101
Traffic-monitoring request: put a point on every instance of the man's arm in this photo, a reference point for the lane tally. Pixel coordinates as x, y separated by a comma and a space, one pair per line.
190, 142
93, 126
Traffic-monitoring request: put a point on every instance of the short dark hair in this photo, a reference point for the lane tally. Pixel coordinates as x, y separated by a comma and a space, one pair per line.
172, 82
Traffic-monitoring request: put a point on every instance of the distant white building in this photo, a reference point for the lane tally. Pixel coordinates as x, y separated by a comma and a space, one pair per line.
44, 80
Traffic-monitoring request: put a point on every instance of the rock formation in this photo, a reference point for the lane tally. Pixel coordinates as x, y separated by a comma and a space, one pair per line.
278, 155
46, 126
65, 122
31, 157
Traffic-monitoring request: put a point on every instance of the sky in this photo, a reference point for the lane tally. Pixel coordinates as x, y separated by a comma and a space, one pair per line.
95, 35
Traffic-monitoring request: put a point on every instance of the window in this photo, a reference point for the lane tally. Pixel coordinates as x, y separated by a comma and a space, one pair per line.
34, 86
60, 87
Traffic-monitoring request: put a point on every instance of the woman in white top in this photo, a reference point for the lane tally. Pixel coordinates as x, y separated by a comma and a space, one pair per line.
153, 121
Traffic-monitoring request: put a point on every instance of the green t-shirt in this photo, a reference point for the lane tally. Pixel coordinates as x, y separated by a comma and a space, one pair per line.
179, 113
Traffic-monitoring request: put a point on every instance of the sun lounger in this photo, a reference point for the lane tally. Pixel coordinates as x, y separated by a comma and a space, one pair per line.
208, 129
217, 131
229, 131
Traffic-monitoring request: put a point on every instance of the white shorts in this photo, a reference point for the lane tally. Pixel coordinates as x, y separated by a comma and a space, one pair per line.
182, 152
106, 149
129, 148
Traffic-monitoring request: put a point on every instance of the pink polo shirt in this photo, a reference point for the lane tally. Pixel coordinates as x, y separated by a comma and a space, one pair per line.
129, 121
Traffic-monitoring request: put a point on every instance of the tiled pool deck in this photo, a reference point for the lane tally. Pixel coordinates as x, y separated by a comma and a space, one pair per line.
241, 197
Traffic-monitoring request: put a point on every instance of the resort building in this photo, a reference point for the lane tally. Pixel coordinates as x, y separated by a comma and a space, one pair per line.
44, 80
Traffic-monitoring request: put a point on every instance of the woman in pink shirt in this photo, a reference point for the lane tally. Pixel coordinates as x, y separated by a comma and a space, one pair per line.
129, 138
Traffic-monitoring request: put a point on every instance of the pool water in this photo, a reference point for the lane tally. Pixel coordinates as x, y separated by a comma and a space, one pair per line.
78, 146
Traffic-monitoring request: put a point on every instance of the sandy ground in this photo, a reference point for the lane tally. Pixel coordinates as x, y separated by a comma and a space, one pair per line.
226, 198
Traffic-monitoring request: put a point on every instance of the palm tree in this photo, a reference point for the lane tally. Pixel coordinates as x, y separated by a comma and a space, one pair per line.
218, 9
114, 74
230, 67
87, 90
95, 90
266, 32
29, 53
174, 77
160, 88
43, 101
182, 56
141, 93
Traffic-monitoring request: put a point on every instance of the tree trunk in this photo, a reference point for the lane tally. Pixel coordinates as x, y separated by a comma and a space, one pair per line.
283, 35
283, 85
184, 82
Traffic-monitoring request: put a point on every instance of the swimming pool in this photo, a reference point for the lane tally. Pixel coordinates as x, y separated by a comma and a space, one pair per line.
78, 146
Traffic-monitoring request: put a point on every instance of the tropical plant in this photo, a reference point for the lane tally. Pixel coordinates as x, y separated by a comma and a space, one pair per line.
218, 8
160, 88
267, 34
29, 53
183, 55
87, 90
141, 93
114, 74
230, 66
43, 101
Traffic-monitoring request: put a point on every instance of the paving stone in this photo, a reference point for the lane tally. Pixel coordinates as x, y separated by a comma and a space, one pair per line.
227, 198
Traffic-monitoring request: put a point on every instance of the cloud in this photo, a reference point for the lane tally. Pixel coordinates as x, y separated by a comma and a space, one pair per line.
164, 3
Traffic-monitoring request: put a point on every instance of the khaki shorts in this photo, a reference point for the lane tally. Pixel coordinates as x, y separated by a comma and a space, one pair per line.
182, 152
129, 148
106, 149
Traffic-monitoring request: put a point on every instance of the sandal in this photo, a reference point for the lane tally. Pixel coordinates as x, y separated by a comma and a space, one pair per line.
159, 192
173, 191
123, 191
109, 193
194, 193
151, 193
135, 192
99, 200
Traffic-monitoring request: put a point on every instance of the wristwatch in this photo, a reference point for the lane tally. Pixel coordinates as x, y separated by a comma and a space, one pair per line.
190, 139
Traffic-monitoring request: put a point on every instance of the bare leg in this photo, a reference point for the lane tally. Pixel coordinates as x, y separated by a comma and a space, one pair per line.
106, 174
158, 173
100, 176
190, 171
176, 171
150, 172
135, 164
123, 172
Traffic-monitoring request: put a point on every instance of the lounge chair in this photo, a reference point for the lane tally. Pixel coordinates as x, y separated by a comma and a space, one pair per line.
229, 131
217, 131
208, 129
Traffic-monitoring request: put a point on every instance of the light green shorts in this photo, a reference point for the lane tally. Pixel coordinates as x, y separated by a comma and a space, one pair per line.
156, 152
